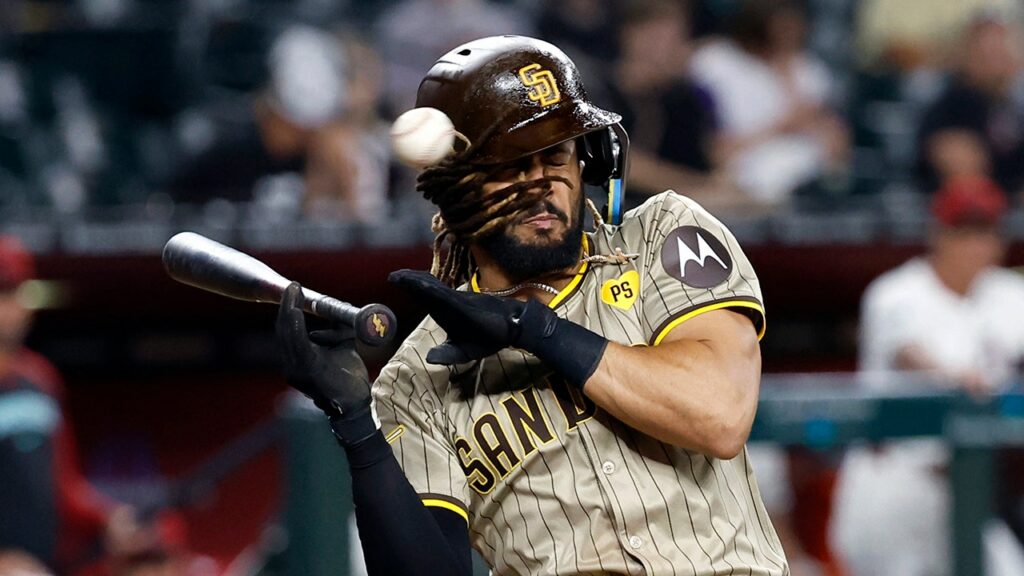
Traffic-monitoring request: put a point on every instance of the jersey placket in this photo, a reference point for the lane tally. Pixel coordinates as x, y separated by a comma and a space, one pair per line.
619, 494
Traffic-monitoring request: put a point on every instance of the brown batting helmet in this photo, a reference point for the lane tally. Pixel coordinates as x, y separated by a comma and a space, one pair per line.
529, 95
528, 86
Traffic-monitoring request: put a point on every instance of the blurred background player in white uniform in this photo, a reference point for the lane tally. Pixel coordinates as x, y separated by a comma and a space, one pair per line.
957, 316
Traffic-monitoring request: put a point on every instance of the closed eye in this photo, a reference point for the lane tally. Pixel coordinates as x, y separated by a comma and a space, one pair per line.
557, 159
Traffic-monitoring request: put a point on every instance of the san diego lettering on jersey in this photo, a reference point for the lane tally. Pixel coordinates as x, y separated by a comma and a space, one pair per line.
489, 455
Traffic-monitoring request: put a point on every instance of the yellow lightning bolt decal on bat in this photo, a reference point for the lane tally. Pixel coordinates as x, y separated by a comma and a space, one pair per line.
379, 325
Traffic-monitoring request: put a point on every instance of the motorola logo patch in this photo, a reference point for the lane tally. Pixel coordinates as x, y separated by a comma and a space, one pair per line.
695, 257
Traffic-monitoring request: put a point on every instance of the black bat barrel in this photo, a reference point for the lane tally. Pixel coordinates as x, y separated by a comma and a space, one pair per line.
209, 265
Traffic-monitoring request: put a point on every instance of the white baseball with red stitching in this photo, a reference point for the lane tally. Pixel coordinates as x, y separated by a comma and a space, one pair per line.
422, 137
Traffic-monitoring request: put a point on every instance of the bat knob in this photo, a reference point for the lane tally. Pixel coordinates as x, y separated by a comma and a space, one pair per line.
375, 325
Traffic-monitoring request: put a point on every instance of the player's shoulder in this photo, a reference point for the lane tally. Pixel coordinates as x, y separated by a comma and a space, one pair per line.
667, 211
425, 336
666, 223
409, 361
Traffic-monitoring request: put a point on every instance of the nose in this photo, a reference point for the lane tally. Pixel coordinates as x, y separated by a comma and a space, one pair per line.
534, 170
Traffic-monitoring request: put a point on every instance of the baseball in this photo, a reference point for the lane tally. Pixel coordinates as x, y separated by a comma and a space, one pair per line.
422, 137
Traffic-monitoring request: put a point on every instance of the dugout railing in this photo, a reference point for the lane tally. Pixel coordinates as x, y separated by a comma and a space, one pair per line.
833, 411
820, 411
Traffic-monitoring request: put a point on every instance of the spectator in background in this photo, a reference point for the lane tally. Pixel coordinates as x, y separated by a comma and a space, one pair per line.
408, 37
413, 31
311, 136
671, 122
957, 316
585, 29
975, 128
910, 34
50, 516
348, 175
772, 99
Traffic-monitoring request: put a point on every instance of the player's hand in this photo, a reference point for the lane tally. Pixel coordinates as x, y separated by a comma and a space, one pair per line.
478, 325
322, 364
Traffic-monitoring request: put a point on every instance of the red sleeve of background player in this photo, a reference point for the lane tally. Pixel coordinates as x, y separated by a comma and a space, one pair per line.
83, 510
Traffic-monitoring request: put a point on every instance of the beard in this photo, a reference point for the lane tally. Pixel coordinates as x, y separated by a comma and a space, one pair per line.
525, 260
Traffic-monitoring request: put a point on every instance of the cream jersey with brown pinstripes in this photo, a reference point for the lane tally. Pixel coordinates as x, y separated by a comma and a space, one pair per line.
550, 484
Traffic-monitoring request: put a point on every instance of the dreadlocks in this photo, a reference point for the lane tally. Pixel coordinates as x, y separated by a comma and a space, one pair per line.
465, 214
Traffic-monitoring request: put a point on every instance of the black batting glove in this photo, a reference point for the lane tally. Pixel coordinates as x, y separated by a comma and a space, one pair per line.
324, 366
479, 325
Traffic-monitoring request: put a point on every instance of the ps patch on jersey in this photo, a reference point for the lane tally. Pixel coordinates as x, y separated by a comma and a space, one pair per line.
695, 257
621, 292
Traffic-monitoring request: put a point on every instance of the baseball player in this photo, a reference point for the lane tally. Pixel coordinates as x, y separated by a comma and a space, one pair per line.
576, 402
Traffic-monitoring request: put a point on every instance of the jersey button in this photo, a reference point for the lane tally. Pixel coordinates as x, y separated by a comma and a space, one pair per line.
608, 467
635, 542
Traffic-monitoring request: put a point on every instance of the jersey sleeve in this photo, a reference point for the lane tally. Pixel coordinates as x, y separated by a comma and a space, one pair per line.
412, 418
692, 265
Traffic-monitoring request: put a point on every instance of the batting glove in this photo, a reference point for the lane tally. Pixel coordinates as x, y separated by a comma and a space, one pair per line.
324, 366
479, 325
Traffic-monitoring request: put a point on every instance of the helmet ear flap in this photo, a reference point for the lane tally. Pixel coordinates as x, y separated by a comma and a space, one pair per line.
604, 156
595, 150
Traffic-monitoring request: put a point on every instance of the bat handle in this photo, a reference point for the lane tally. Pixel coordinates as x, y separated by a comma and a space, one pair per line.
374, 323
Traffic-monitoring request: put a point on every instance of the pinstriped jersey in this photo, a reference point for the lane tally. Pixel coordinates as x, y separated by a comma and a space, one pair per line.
548, 482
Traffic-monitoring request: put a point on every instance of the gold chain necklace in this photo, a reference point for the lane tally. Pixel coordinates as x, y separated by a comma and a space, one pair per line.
513, 289
599, 259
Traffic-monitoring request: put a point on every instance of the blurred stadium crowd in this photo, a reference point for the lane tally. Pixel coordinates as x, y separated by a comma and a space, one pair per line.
250, 113
264, 123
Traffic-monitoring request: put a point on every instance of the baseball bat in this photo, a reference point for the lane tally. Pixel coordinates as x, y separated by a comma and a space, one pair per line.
198, 261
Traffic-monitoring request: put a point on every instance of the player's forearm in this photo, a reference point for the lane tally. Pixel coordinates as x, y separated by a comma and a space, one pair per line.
697, 390
687, 393
399, 535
